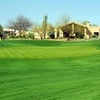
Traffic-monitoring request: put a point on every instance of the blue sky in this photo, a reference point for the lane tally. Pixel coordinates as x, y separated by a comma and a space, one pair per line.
79, 10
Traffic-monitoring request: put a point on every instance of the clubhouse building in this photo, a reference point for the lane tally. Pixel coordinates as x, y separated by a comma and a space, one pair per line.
88, 30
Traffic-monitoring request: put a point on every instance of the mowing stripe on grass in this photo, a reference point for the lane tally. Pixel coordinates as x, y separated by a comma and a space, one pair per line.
46, 52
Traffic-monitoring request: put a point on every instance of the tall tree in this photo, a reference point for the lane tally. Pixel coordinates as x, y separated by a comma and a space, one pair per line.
1, 31
44, 25
62, 23
67, 28
63, 19
21, 23
38, 28
73, 29
84, 22
41, 29
67, 31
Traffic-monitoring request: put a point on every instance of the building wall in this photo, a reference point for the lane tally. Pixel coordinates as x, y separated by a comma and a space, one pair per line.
94, 29
91, 30
8, 31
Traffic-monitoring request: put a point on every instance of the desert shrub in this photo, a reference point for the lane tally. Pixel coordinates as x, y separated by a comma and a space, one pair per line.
80, 35
31, 35
17, 36
26, 36
13, 36
94, 36
51, 34
72, 37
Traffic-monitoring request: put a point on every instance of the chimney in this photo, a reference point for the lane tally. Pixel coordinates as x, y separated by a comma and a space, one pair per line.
87, 24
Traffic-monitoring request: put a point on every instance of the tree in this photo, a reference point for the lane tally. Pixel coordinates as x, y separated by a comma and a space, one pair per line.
50, 31
44, 25
69, 31
38, 28
31, 35
85, 22
63, 19
50, 27
94, 25
41, 29
21, 23
1, 31
62, 23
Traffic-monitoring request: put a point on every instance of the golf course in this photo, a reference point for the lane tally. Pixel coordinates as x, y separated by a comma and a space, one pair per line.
49, 70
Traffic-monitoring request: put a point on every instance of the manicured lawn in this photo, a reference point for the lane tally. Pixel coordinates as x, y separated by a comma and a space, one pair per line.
49, 70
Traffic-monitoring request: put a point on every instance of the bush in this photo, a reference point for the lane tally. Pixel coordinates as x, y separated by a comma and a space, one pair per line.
26, 36
81, 35
31, 35
17, 36
94, 36
13, 36
51, 34
72, 37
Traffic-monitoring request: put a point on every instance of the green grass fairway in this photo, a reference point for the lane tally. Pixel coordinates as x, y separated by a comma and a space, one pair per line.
49, 70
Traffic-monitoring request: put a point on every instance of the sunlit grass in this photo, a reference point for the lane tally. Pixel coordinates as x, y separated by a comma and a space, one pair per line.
49, 70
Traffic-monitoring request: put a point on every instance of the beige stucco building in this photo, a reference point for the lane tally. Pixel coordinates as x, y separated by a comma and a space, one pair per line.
88, 30
8, 31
